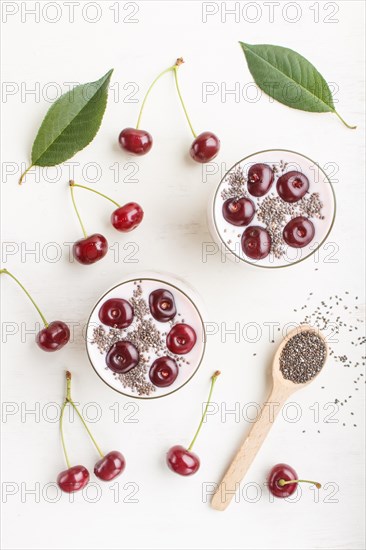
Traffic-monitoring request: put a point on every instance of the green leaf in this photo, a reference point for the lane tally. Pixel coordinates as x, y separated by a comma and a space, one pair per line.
289, 78
71, 123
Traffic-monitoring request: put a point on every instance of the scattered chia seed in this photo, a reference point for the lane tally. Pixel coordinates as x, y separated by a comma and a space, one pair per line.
302, 357
236, 185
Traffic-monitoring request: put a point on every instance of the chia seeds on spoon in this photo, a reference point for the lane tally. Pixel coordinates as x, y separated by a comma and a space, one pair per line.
302, 357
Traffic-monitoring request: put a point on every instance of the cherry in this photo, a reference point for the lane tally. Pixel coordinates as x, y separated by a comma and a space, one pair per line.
127, 217
54, 335
110, 466
122, 357
117, 313
260, 179
162, 305
238, 211
91, 249
283, 480
181, 339
205, 147
299, 232
135, 141
73, 479
292, 186
182, 461
256, 242
163, 372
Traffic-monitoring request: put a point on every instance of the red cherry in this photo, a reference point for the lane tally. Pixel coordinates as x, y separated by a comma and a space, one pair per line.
127, 217
260, 179
181, 461
286, 473
162, 305
91, 249
54, 336
256, 242
116, 312
181, 339
110, 466
299, 232
122, 357
283, 480
205, 147
73, 479
163, 372
292, 186
137, 142
238, 211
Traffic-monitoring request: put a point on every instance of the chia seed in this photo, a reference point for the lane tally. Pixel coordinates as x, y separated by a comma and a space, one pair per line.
302, 357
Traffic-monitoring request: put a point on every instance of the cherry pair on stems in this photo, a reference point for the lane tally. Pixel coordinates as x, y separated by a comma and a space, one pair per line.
54, 335
204, 148
93, 248
77, 477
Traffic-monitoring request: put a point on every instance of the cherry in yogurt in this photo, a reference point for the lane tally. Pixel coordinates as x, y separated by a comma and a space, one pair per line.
117, 313
260, 179
256, 242
122, 357
181, 339
163, 372
162, 305
299, 232
292, 186
238, 211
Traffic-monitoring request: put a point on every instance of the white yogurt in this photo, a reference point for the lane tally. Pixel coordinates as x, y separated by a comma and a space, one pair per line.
188, 311
228, 236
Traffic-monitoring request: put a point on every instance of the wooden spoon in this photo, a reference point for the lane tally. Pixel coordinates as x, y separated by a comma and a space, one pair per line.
281, 391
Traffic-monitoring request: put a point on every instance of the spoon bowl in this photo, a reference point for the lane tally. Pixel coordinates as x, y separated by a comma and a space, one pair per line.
278, 378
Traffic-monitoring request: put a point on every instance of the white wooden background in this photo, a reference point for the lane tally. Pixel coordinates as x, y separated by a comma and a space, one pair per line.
171, 513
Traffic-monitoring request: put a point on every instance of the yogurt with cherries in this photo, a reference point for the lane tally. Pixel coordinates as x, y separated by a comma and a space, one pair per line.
272, 209
145, 338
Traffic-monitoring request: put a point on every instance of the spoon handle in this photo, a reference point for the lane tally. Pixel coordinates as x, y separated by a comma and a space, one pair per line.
249, 448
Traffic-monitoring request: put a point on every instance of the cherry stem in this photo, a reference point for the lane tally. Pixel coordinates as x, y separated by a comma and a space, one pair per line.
213, 381
344, 122
24, 173
77, 212
282, 482
27, 293
73, 184
148, 92
181, 98
69, 401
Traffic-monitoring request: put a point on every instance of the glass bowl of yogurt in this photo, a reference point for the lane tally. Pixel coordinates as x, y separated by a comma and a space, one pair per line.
145, 337
272, 209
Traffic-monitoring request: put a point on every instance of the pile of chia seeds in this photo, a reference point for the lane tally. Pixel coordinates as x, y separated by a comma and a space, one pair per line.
145, 336
302, 357
272, 211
